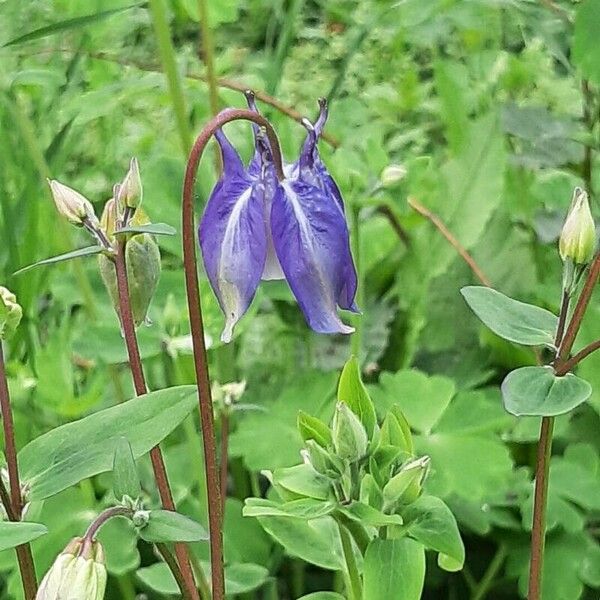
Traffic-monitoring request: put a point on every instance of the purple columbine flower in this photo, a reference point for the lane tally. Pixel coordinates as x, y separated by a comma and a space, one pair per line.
255, 227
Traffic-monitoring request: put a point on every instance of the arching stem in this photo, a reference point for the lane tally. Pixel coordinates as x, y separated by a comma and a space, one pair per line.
207, 424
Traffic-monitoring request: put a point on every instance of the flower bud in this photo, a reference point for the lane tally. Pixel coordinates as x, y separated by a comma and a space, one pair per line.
142, 257
108, 220
321, 461
10, 313
77, 572
405, 486
72, 205
349, 435
578, 238
392, 175
130, 191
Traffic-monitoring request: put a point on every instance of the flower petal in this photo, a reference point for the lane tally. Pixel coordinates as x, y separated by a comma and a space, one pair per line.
312, 243
233, 239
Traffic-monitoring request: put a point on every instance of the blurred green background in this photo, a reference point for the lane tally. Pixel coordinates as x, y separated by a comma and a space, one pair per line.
490, 106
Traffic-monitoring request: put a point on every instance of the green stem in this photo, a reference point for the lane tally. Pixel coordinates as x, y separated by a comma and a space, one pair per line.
126, 587
169, 63
354, 585
208, 55
483, 587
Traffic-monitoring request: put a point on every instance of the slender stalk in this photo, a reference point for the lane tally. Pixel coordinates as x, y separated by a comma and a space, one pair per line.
572, 362
452, 240
542, 469
135, 363
354, 583
169, 63
580, 308
483, 587
13, 504
538, 532
197, 328
103, 517
174, 567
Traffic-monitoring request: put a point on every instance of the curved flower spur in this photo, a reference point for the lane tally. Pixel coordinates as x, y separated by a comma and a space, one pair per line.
256, 227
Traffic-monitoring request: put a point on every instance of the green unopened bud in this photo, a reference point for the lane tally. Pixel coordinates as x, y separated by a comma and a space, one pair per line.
321, 461
578, 237
130, 191
349, 435
392, 175
10, 313
143, 271
78, 572
72, 205
108, 220
405, 486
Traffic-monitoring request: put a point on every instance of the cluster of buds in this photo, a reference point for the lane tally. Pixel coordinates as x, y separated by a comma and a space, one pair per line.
78, 573
10, 313
256, 226
142, 255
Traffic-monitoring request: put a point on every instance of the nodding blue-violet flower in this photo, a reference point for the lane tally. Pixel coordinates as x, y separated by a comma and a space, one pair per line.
255, 227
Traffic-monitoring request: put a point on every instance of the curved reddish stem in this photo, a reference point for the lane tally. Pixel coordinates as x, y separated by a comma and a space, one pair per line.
215, 513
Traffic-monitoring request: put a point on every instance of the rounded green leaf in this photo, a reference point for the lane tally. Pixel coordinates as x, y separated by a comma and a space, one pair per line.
537, 391
394, 569
15, 534
512, 320
169, 526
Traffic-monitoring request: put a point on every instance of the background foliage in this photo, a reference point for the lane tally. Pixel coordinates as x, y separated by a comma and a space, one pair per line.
491, 106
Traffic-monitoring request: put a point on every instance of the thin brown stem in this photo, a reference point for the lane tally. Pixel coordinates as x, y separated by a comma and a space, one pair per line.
542, 468
388, 213
137, 372
422, 210
197, 328
103, 517
538, 532
13, 504
174, 567
572, 362
582, 303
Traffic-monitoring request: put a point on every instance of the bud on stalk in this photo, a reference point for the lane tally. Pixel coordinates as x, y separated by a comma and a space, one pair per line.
130, 190
349, 435
142, 257
77, 573
10, 313
578, 238
77, 209
392, 175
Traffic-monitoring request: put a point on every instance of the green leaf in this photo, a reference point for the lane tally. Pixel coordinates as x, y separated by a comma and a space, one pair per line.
126, 481
240, 578
422, 398
72, 452
15, 534
152, 228
367, 515
432, 523
73, 23
303, 508
512, 320
394, 569
352, 391
537, 391
311, 428
87, 251
169, 526
586, 53
304, 481
316, 541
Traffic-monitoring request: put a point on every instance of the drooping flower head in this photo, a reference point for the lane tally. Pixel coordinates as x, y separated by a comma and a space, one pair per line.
256, 227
